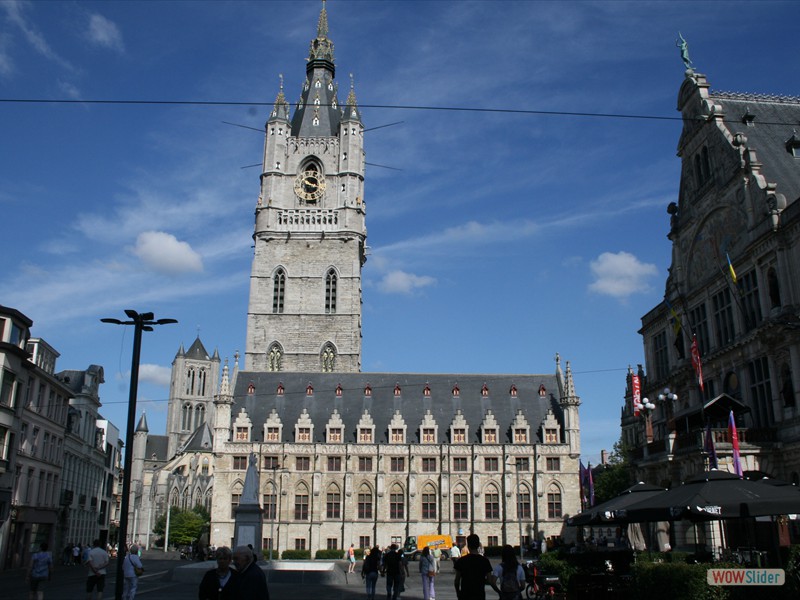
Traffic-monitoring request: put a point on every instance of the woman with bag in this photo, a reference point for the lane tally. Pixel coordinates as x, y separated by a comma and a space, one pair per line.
427, 568
132, 569
508, 578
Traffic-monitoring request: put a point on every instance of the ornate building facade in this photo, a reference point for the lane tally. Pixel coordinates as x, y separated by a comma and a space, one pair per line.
345, 456
732, 286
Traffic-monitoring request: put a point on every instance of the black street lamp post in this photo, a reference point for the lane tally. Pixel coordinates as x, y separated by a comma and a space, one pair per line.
141, 322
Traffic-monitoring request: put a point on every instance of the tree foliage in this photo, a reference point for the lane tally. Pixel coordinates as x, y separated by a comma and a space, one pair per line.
616, 476
185, 526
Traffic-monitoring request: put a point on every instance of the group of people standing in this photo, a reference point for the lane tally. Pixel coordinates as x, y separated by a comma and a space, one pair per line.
473, 572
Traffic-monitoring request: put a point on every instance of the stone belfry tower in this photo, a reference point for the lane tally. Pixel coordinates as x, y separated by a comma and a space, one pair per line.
304, 312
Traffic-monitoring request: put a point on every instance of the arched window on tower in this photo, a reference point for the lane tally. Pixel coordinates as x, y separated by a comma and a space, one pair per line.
201, 382
330, 292
186, 417
328, 358
199, 416
278, 290
274, 357
190, 380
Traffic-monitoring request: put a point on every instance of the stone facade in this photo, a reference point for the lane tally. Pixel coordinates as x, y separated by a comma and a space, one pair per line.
344, 456
732, 284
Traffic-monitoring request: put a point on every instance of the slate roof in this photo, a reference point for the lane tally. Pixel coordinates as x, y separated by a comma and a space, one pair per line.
774, 120
382, 404
156, 444
202, 440
197, 351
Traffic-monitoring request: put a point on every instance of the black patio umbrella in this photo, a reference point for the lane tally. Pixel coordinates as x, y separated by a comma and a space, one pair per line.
714, 495
606, 512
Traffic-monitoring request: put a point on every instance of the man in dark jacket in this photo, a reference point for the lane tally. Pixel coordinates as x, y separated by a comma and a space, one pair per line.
251, 583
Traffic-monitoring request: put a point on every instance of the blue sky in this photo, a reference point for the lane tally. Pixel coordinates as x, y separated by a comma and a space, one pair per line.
498, 239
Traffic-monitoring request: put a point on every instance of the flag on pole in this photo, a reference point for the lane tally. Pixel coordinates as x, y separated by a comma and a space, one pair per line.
737, 461
581, 478
675, 319
730, 269
709, 448
591, 484
637, 395
696, 363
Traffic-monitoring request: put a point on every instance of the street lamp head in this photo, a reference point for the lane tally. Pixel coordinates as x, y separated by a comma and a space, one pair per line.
132, 314
166, 321
114, 321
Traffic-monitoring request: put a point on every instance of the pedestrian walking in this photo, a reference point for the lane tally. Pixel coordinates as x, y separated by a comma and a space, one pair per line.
455, 553
219, 583
391, 569
40, 571
427, 568
96, 563
351, 556
508, 578
132, 569
369, 571
473, 572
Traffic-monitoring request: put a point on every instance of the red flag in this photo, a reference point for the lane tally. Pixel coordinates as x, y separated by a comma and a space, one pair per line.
737, 462
698, 366
637, 395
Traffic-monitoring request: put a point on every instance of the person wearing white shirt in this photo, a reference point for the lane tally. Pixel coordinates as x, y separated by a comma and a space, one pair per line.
132, 568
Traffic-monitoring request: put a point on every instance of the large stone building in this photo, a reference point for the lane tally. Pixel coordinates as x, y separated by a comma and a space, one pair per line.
732, 284
345, 456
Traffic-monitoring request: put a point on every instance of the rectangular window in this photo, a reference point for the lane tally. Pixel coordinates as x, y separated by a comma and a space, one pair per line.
7, 391
554, 505
397, 506
429, 435
524, 505
365, 435
332, 544
460, 507
333, 505
299, 543
723, 317
301, 507
364, 505
429, 504
553, 463
751, 305
334, 463
242, 434
520, 435
490, 436
235, 498
492, 540
397, 464
270, 463
492, 504
239, 463
660, 355
760, 392
303, 463
303, 434
460, 464
397, 436
522, 463
459, 436
491, 464
699, 323
365, 464
364, 541
335, 435
270, 506
428, 465
551, 436
273, 434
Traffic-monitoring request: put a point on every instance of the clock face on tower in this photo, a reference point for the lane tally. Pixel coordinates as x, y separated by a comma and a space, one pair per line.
309, 186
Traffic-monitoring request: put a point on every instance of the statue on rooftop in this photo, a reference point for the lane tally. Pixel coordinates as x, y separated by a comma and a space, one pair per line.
684, 46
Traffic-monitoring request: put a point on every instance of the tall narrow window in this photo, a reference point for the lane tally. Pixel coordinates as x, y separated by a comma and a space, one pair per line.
279, 287
330, 292
301, 505
460, 506
364, 503
748, 287
554, 503
333, 504
328, 359
429, 502
397, 505
186, 417
492, 505
723, 317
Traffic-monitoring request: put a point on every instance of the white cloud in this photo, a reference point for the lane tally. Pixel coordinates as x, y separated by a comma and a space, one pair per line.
155, 374
164, 253
620, 275
6, 64
14, 11
104, 32
400, 282
69, 89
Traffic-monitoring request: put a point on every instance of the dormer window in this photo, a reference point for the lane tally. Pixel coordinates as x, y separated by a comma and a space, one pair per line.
456, 391
339, 391
427, 391
513, 391
542, 391
397, 390
368, 390
309, 390
280, 390
251, 389
793, 145
485, 391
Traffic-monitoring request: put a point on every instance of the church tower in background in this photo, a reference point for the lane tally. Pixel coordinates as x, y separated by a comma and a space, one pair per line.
304, 312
